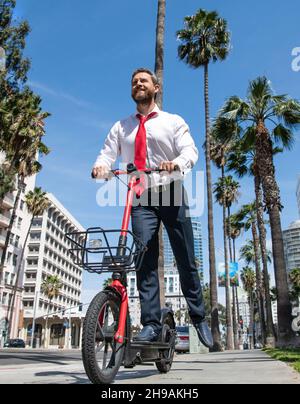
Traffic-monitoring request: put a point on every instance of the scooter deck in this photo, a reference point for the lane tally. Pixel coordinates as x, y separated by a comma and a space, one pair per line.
150, 345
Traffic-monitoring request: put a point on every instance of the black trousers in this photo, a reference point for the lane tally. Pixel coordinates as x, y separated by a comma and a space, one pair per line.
147, 215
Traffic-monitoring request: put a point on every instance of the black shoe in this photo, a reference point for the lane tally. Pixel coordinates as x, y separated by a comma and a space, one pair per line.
204, 333
148, 334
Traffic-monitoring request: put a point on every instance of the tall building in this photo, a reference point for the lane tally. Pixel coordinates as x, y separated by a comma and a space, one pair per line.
291, 241
168, 253
18, 234
298, 195
47, 254
173, 293
198, 245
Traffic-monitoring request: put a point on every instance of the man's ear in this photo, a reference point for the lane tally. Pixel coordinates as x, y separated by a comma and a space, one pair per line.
157, 88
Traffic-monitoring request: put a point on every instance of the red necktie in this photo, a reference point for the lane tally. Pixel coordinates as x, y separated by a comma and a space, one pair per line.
140, 154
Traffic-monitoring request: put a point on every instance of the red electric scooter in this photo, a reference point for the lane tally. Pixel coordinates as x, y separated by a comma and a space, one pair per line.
107, 339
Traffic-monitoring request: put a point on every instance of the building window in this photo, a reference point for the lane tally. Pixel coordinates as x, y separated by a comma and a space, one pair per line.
15, 260
4, 299
35, 236
8, 257
57, 336
11, 238
17, 239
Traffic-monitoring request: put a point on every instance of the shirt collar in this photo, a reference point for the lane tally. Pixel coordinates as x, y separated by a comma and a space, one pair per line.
155, 109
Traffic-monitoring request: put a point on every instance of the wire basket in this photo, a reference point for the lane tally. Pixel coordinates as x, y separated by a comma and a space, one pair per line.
97, 250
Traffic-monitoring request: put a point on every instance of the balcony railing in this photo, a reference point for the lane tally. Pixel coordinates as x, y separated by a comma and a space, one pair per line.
2, 241
8, 201
4, 220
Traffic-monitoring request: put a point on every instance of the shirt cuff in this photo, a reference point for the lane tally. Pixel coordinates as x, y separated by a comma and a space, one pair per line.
185, 166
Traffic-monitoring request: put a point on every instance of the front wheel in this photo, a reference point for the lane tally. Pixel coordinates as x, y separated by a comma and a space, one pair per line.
164, 364
102, 356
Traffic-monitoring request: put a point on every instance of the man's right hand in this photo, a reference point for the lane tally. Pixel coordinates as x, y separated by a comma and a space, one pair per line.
100, 172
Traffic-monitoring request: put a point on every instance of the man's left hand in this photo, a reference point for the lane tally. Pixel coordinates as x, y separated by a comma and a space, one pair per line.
168, 166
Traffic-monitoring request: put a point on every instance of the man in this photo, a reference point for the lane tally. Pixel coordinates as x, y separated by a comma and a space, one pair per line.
153, 138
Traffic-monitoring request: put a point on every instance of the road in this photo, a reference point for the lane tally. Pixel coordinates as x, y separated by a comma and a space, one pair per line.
15, 357
65, 367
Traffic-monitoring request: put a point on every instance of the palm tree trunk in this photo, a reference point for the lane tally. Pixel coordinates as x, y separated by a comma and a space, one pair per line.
270, 330
159, 70
234, 318
259, 284
237, 298
229, 334
251, 325
234, 291
159, 50
229, 234
215, 325
264, 153
10, 310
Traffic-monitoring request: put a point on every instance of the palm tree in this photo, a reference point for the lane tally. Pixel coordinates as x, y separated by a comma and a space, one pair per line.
226, 192
159, 70
205, 39
23, 144
50, 287
234, 231
235, 227
36, 202
241, 160
219, 155
294, 277
7, 182
261, 109
247, 216
107, 282
248, 279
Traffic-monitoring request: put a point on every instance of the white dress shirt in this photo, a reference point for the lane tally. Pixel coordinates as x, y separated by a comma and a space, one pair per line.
168, 139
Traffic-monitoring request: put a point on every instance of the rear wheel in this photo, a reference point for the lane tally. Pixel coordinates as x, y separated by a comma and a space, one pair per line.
167, 355
102, 356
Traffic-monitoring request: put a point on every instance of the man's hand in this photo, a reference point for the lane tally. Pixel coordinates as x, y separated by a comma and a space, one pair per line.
168, 166
100, 172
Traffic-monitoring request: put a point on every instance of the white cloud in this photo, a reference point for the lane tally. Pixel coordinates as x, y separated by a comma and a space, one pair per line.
60, 94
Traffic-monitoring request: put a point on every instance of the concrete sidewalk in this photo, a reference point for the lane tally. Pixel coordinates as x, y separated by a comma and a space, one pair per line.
235, 367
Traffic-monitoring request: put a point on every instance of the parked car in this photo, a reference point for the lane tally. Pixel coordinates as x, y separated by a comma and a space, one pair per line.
14, 343
183, 339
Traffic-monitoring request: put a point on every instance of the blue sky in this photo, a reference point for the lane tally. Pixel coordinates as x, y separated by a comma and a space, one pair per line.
82, 57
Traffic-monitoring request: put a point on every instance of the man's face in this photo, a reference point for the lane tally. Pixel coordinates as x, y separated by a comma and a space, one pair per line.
143, 88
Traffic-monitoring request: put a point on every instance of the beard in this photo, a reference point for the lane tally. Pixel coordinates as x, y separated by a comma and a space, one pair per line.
145, 97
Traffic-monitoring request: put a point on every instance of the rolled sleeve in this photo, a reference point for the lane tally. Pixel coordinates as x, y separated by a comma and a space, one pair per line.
185, 146
111, 149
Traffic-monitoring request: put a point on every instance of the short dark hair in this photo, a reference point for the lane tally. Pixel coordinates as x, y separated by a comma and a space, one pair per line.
144, 70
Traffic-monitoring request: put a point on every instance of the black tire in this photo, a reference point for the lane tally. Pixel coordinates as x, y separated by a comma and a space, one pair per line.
164, 364
101, 355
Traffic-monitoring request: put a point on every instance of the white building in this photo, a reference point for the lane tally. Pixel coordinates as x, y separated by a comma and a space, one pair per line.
47, 254
173, 294
291, 240
13, 255
298, 195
